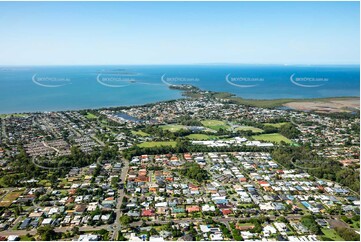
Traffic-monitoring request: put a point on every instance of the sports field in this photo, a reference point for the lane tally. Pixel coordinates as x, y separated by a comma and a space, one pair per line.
91, 116
173, 127
251, 128
276, 125
215, 124
201, 137
157, 144
140, 133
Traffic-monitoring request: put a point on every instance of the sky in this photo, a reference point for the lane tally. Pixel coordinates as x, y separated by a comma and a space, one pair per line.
113, 33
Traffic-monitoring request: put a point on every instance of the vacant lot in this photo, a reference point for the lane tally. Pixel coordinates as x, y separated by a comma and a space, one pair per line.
173, 127
215, 124
251, 128
157, 144
277, 138
9, 198
331, 234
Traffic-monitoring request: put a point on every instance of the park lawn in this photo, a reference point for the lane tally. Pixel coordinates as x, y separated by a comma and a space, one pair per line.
151, 144
91, 116
140, 133
276, 137
276, 125
215, 124
173, 127
331, 234
9, 198
201, 137
251, 128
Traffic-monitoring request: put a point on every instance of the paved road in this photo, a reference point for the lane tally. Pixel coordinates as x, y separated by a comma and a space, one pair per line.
61, 229
117, 225
3, 133
97, 140
217, 219
48, 146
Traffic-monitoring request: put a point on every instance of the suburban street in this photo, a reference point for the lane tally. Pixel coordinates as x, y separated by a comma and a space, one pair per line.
116, 226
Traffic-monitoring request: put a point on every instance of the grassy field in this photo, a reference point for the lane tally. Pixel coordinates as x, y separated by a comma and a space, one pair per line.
201, 137
276, 125
173, 127
157, 144
91, 116
277, 138
140, 133
245, 128
18, 115
331, 234
9, 198
215, 124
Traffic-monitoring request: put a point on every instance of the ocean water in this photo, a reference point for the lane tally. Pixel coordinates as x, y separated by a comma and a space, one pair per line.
54, 88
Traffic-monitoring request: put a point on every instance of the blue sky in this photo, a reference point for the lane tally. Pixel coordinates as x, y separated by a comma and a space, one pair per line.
91, 33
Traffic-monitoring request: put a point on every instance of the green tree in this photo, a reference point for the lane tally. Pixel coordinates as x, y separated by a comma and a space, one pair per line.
47, 233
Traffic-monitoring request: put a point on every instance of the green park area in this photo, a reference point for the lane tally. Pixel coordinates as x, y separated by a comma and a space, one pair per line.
276, 138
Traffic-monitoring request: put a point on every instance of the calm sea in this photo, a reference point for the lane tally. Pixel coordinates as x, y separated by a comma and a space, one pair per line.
28, 89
